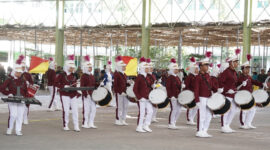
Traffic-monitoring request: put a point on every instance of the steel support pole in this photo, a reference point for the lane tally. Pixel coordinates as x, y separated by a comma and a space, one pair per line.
180, 50
59, 37
146, 26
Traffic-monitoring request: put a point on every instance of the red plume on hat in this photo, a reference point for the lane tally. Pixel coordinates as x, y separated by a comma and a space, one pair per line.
86, 58
118, 58
71, 57
173, 60
237, 51
109, 62
50, 59
218, 65
211, 65
249, 57
142, 59
20, 59
208, 54
148, 60
192, 59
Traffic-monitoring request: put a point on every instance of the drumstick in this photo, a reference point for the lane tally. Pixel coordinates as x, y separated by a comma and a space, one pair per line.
240, 85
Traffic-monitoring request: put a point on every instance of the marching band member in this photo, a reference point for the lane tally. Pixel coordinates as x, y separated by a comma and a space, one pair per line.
89, 106
203, 90
152, 80
68, 98
190, 83
141, 89
246, 116
9, 87
227, 84
108, 80
29, 81
119, 87
51, 75
173, 87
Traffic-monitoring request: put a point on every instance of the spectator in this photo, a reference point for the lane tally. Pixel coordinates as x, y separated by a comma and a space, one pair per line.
2, 74
262, 76
255, 76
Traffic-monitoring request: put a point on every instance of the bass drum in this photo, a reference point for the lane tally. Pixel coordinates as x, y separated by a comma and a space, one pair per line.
130, 94
102, 96
167, 100
157, 96
187, 99
261, 98
244, 99
218, 104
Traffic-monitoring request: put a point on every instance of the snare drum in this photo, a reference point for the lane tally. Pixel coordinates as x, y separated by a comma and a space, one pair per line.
218, 104
157, 96
130, 94
187, 99
102, 96
32, 90
261, 97
244, 99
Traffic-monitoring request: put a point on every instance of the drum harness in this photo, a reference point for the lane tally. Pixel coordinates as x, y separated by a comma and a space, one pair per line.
208, 86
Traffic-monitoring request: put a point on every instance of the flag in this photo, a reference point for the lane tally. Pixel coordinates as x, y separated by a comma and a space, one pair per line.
132, 63
38, 65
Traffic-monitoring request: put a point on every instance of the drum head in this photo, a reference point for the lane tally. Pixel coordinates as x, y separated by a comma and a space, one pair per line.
99, 94
216, 101
130, 92
243, 97
163, 88
260, 96
186, 97
157, 96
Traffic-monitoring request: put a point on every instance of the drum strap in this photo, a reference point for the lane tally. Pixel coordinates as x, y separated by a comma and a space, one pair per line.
146, 82
70, 81
209, 87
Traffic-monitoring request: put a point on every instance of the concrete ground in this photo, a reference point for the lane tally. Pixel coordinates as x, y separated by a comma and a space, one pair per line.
45, 132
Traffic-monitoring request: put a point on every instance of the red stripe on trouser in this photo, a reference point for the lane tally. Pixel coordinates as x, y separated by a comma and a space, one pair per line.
187, 114
52, 97
241, 118
28, 108
170, 112
138, 103
116, 111
83, 109
8, 116
222, 120
63, 117
198, 120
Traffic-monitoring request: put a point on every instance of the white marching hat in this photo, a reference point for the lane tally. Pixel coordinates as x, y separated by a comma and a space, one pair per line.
173, 65
247, 63
143, 64
109, 65
149, 62
119, 61
86, 63
70, 62
234, 57
18, 64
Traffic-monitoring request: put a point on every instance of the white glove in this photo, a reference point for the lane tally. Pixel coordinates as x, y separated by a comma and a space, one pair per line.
153, 86
231, 91
220, 90
265, 85
244, 83
66, 86
27, 83
198, 104
123, 94
10, 95
130, 81
183, 85
173, 98
142, 99
80, 92
102, 83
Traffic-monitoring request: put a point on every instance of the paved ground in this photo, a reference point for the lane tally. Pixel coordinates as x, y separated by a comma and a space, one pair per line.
45, 132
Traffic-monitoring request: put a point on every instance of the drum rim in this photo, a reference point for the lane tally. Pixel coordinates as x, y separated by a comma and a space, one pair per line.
222, 104
181, 93
109, 95
247, 102
227, 102
160, 102
167, 99
257, 91
104, 97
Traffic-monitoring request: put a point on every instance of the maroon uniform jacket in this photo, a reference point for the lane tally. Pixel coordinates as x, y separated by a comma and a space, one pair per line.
203, 86
141, 88
250, 82
227, 81
173, 86
120, 82
51, 75
151, 79
215, 82
190, 82
87, 81
10, 86
63, 79
27, 76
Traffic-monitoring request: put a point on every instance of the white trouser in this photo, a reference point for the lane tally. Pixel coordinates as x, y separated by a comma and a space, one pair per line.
227, 118
204, 115
247, 116
68, 102
109, 87
121, 107
175, 111
155, 109
145, 110
53, 100
89, 110
191, 113
16, 111
26, 112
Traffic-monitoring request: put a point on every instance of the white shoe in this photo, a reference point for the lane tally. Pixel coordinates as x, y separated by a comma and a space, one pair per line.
77, 129
207, 135
244, 127
91, 125
9, 132
66, 129
19, 133
124, 123
230, 129
140, 130
172, 126
146, 128
224, 129
85, 126
200, 134
25, 122
154, 120
251, 126
50, 109
118, 122
57, 109
192, 123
